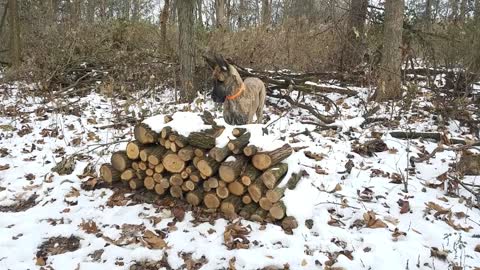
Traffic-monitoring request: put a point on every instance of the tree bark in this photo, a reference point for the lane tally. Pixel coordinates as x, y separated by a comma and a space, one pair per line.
109, 174
353, 48
265, 160
120, 161
221, 15
186, 45
163, 23
477, 11
389, 84
266, 12
14, 21
91, 11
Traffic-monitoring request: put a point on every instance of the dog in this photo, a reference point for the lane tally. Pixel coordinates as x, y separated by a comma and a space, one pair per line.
242, 99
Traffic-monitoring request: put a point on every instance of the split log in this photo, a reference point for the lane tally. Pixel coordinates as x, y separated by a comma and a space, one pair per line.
271, 176
142, 166
208, 166
120, 161
289, 223
174, 147
186, 153
211, 201
157, 177
146, 151
247, 211
195, 197
128, 174
246, 199
149, 172
220, 153
201, 139
167, 144
159, 168
250, 150
237, 132
222, 192
165, 132
109, 174
176, 191
237, 145
162, 141
144, 134
229, 171
133, 149
135, 183
274, 195
159, 189
278, 210
149, 183
249, 175
156, 155
173, 163
231, 205
236, 188
260, 215
176, 180
265, 160
212, 182
265, 204
256, 190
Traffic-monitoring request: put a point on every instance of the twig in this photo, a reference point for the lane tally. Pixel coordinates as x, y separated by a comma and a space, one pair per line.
341, 204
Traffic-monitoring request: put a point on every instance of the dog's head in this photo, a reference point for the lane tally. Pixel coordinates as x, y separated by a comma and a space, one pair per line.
225, 78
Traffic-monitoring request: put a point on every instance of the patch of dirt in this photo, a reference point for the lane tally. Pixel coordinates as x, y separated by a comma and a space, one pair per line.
57, 245
21, 205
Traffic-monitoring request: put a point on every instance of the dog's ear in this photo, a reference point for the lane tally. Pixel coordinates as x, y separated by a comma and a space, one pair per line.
221, 62
211, 63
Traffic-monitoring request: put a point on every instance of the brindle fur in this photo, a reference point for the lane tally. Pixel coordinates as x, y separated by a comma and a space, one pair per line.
227, 81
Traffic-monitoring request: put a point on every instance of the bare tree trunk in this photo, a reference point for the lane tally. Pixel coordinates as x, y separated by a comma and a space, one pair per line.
136, 10
52, 11
163, 22
241, 13
200, 13
221, 14
3, 18
463, 10
353, 48
173, 11
389, 84
477, 11
454, 12
75, 11
91, 11
14, 33
266, 12
186, 47
428, 16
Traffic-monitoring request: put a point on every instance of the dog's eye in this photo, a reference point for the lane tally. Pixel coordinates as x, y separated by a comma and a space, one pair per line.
219, 81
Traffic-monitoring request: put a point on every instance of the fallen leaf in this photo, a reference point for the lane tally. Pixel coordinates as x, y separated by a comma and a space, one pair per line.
477, 248
373, 222
397, 234
153, 241
73, 193
40, 261
89, 226
439, 254
4, 167
404, 206
337, 188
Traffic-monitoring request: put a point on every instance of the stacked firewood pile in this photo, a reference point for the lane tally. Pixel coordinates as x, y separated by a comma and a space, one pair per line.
237, 179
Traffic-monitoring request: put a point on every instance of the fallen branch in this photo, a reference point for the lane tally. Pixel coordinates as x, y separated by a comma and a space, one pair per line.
429, 135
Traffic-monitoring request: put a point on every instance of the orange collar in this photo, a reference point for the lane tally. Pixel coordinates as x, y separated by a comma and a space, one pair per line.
239, 92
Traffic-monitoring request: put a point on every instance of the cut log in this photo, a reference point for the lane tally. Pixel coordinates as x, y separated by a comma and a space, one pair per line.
142, 166
259, 216
212, 182
135, 183
274, 195
181, 141
186, 153
120, 161
211, 201
289, 223
135, 166
173, 163
222, 192
236, 188
190, 185
133, 149
250, 150
176, 191
246, 199
157, 177
208, 166
278, 210
184, 187
167, 144
149, 183
190, 169
184, 175
165, 183
247, 211
220, 153
128, 174
162, 141
151, 166
159, 168
237, 145
176, 180
203, 176
199, 152
144, 134
149, 172
165, 132
256, 190
146, 151
265, 160
141, 174
231, 205
206, 187
156, 155
202, 140
195, 197
237, 132
229, 171
195, 176
265, 204
271, 176
249, 175
195, 161
167, 119
109, 174
159, 189
174, 147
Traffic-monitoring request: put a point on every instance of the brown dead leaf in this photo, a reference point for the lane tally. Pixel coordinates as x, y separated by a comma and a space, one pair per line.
4, 167
89, 226
404, 206
40, 261
153, 241
372, 221
30, 176
73, 193
235, 236
477, 248
231, 263
337, 188
439, 254
314, 156
397, 234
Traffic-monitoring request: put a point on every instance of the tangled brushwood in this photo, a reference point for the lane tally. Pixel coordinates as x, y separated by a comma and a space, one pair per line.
237, 179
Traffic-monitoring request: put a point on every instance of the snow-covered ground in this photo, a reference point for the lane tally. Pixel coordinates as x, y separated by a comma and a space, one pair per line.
358, 220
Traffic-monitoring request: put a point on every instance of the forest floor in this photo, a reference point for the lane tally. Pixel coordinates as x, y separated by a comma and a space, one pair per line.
352, 207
